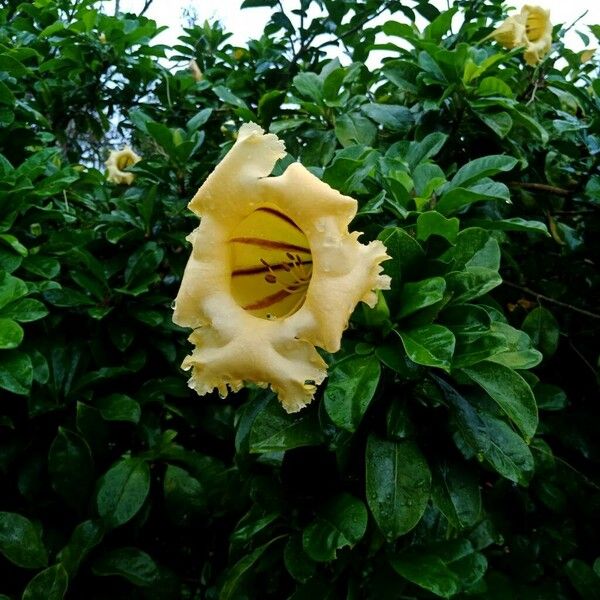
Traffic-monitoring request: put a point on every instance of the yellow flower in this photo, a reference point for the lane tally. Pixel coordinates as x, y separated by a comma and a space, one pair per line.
531, 28
273, 273
195, 70
119, 160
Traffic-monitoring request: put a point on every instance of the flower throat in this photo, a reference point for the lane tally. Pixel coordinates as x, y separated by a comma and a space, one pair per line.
271, 264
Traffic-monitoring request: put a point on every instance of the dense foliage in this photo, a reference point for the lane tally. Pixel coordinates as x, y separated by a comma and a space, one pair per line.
453, 450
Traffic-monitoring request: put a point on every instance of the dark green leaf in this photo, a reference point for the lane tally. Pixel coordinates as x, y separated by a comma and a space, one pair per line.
426, 571
85, 537
16, 372
20, 541
341, 522
50, 584
274, 430
456, 493
71, 467
510, 391
541, 326
398, 481
122, 491
131, 563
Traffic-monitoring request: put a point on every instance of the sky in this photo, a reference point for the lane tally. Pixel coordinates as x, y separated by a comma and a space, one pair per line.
248, 23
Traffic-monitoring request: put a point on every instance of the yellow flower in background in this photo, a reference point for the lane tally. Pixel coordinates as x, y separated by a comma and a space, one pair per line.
531, 28
273, 273
195, 70
117, 161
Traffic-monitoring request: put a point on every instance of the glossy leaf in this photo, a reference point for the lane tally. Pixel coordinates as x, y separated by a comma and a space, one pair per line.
398, 483
341, 522
351, 386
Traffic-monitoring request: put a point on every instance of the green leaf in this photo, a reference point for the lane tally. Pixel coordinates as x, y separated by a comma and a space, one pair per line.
429, 345
236, 575
353, 128
420, 294
11, 289
489, 438
510, 391
228, 97
456, 493
49, 584
541, 326
457, 198
350, 388
341, 522
477, 169
16, 372
513, 224
71, 467
426, 571
549, 397
583, 579
494, 86
472, 283
407, 254
274, 430
434, 223
184, 494
122, 491
430, 145
520, 354
299, 565
11, 334
130, 563
309, 85
119, 407
25, 310
391, 116
398, 482
20, 541
499, 122
85, 537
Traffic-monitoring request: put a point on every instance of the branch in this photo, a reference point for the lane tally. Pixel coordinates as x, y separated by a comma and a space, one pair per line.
539, 296
542, 187
147, 4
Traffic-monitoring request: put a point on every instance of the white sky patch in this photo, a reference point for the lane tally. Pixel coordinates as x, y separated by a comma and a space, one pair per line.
249, 23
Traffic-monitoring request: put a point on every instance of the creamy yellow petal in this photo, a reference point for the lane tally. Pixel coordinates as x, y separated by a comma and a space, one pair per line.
119, 160
511, 34
300, 226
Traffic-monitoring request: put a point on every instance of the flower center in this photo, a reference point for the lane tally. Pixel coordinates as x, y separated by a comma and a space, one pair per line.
124, 161
271, 264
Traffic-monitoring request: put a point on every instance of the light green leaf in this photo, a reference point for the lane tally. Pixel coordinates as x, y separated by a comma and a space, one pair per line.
429, 345
477, 169
11, 334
